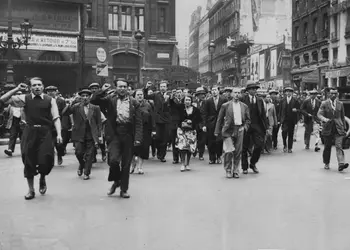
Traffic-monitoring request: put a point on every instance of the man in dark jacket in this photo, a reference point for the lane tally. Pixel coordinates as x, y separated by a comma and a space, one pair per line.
123, 132
257, 130
276, 101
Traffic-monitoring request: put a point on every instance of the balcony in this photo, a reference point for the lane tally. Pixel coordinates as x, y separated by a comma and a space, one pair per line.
314, 37
334, 37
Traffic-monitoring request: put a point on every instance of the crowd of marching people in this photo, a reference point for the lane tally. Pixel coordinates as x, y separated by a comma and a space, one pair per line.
237, 125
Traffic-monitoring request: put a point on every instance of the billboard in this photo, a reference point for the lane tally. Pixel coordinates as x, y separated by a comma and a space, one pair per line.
254, 67
262, 66
273, 63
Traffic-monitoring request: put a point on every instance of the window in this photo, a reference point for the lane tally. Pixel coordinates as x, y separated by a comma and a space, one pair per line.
335, 53
88, 15
139, 19
297, 61
335, 24
297, 6
306, 58
305, 29
51, 56
325, 21
113, 19
296, 35
325, 54
347, 50
315, 56
314, 26
162, 20
126, 18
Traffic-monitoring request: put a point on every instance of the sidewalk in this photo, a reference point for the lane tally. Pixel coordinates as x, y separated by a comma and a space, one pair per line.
5, 141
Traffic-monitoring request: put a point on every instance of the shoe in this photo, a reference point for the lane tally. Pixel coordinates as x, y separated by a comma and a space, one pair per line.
140, 171
183, 168
8, 152
285, 150
201, 158
162, 160
290, 151
229, 175
86, 177
245, 171
30, 195
175, 162
42, 186
133, 166
124, 194
80, 172
94, 160
104, 157
254, 168
307, 147
236, 176
326, 166
59, 160
219, 161
187, 168
275, 148
211, 162
114, 186
343, 166
317, 149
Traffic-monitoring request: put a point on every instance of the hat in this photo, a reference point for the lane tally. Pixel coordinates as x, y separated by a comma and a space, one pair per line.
252, 85
94, 84
228, 89
288, 89
273, 91
51, 88
313, 92
85, 91
19, 93
200, 91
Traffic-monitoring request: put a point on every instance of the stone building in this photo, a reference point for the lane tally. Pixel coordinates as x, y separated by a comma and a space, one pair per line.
193, 50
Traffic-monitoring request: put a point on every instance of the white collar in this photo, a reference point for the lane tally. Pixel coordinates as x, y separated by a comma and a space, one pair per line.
42, 96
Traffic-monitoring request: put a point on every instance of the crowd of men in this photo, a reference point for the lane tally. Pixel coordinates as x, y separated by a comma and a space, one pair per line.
236, 125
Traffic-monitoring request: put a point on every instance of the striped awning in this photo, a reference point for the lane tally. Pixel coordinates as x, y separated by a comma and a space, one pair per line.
312, 77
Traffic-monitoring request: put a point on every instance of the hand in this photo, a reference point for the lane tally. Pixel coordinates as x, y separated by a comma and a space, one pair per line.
204, 129
106, 86
216, 135
59, 139
154, 133
22, 87
326, 120
294, 110
137, 143
100, 140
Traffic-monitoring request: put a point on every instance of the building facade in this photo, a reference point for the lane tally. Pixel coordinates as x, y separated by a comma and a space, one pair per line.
339, 45
310, 47
203, 49
108, 26
193, 50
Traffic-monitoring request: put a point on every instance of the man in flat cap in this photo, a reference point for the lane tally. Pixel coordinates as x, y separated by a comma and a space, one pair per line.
274, 94
201, 133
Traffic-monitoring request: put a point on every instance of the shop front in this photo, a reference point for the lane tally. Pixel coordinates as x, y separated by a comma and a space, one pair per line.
338, 77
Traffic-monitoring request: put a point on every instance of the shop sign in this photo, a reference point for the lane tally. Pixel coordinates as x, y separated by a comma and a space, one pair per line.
51, 43
101, 54
338, 73
102, 69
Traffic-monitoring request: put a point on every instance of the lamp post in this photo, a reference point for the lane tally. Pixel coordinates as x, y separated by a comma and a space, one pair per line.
211, 48
138, 36
10, 45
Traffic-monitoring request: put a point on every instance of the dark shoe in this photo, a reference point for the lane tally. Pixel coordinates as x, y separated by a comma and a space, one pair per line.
30, 195
42, 186
80, 172
133, 166
290, 151
343, 166
285, 150
94, 160
114, 186
8, 152
317, 149
254, 168
229, 175
162, 160
104, 157
307, 147
275, 148
211, 162
201, 158
59, 160
326, 166
219, 161
86, 177
245, 171
124, 194
175, 162
236, 176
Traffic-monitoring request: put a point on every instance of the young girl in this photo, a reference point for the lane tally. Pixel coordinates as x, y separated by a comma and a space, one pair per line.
186, 142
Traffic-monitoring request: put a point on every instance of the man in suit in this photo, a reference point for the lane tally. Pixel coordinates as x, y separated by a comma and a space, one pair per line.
309, 109
162, 116
332, 114
272, 121
289, 118
257, 130
201, 133
86, 133
232, 121
123, 132
211, 112
277, 103
61, 104
176, 106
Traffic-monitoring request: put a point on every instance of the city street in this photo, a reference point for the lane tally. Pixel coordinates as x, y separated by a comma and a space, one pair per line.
293, 204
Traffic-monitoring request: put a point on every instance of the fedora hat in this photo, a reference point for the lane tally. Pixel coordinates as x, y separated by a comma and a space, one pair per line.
313, 92
252, 85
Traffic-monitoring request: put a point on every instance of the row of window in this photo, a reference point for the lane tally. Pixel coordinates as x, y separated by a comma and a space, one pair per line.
226, 29
225, 12
314, 57
129, 18
311, 26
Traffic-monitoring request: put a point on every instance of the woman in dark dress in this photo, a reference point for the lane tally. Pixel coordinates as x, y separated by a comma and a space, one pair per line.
193, 114
149, 128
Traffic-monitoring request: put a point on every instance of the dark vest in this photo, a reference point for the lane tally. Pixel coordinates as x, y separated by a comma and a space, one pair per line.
289, 112
254, 113
38, 111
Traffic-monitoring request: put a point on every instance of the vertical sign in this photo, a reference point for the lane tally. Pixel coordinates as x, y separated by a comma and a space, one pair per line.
273, 63
262, 66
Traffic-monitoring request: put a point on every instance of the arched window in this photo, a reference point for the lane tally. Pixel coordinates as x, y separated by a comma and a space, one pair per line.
51, 56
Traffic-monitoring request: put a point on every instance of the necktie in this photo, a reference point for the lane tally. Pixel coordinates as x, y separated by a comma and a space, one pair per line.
313, 104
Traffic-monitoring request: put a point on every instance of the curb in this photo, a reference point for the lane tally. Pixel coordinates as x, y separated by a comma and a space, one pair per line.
6, 141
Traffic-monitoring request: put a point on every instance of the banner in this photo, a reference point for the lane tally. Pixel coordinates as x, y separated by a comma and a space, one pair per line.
262, 67
273, 63
51, 43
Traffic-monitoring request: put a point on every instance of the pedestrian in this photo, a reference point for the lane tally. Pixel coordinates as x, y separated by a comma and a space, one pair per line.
289, 118
274, 94
272, 122
123, 132
332, 114
15, 123
37, 143
86, 133
256, 133
309, 109
176, 107
201, 133
233, 121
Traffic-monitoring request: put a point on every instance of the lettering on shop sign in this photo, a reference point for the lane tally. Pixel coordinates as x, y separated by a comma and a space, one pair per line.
43, 15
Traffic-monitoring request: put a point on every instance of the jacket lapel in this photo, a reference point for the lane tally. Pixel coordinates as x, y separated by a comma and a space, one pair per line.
242, 112
82, 112
90, 112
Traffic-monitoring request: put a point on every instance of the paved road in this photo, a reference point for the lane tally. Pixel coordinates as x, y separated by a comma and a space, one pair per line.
293, 204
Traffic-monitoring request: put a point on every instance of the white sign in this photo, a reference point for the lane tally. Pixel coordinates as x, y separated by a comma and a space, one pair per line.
101, 54
273, 63
262, 67
102, 69
163, 55
52, 43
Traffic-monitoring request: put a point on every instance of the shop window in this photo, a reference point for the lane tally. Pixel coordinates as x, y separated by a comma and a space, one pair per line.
140, 19
126, 18
113, 18
88, 15
51, 57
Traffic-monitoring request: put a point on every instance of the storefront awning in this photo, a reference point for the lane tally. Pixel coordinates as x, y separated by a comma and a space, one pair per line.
312, 77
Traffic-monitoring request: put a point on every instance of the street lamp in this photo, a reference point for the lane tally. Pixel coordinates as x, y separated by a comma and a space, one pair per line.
211, 48
138, 36
9, 45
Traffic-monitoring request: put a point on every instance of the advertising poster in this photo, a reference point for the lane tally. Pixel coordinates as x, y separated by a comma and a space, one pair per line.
273, 63
254, 67
262, 67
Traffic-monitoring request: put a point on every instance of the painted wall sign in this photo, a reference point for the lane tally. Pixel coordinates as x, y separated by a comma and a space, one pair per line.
101, 54
43, 15
51, 43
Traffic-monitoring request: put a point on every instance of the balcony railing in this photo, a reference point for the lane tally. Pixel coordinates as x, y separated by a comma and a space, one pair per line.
334, 36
